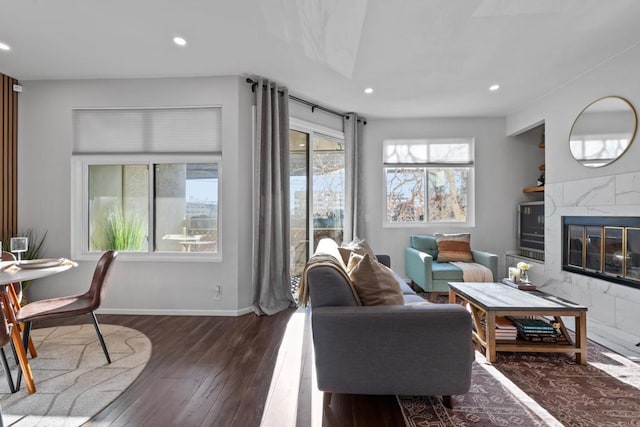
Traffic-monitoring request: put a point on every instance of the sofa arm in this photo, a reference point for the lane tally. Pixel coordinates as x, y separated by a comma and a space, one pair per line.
418, 267
384, 259
412, 349
489, 260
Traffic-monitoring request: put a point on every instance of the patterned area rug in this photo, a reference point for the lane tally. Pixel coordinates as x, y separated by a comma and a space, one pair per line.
536, 389
73, 380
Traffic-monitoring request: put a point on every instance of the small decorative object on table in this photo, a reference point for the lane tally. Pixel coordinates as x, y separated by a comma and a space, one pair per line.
19, 245
524, 271
514, 274
519, 285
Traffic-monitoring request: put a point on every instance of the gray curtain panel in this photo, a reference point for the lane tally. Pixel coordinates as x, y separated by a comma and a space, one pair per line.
272, 281
353, 137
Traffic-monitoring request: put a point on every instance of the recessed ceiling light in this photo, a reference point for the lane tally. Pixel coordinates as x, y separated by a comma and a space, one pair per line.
493, 88
4, 46
179, 41
368, 90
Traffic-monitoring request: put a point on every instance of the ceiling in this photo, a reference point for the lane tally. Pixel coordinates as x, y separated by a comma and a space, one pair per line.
432, 58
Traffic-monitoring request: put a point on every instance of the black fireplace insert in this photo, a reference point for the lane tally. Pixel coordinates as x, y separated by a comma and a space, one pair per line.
604, 247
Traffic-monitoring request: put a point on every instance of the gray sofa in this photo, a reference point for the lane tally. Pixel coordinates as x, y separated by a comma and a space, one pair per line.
414, 349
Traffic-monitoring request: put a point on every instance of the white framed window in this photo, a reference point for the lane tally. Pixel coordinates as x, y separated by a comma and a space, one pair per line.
146, 206
145, 182
428, 181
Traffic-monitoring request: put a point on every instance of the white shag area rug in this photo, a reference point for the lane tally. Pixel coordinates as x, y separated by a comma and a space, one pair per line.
73, 379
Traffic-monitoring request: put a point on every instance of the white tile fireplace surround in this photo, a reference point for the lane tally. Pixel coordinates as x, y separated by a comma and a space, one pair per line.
614, 309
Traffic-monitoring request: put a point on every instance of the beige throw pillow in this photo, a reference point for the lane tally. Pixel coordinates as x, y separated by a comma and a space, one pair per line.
360, 247
345, 254
454, 247
354, 260
374, 282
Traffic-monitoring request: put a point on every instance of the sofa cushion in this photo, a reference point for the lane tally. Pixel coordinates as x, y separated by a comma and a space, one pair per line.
454, 247
446, 271
406, 289
374, 283
425, 243
413, 299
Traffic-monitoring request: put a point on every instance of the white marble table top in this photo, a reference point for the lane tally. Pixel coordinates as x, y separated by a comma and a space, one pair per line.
13, 273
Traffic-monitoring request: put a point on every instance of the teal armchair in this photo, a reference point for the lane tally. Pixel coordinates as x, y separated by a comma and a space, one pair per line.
422, 267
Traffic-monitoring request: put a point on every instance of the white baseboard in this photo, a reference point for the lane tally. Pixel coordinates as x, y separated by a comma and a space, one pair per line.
172, 312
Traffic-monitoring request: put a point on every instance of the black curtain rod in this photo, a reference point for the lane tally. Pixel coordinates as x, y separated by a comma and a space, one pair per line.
313, 106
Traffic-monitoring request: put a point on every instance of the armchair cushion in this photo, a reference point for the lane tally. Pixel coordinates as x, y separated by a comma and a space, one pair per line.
446, 271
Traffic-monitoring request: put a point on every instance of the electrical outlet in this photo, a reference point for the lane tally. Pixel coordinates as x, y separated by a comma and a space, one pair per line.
218, 295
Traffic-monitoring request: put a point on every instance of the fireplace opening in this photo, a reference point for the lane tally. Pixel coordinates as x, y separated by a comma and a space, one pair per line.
604, 247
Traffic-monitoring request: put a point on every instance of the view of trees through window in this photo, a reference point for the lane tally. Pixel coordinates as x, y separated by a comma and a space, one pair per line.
426, 181
446, 194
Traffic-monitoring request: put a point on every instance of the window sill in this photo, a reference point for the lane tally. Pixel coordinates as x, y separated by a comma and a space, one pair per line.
155, 257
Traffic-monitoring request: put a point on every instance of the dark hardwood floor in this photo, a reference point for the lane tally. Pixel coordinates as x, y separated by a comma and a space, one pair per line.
216, 371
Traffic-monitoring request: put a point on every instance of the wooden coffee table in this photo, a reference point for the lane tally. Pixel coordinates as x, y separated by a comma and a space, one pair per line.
496, 299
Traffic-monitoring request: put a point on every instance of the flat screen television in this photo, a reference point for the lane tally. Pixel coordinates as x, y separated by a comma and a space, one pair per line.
531, 230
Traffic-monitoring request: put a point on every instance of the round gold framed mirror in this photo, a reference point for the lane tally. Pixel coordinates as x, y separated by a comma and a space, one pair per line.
603, 131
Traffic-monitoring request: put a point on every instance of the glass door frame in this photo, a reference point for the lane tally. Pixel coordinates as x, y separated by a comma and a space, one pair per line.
312, 129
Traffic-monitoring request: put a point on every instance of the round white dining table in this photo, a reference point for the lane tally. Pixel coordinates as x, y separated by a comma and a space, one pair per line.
11, 273
16, 274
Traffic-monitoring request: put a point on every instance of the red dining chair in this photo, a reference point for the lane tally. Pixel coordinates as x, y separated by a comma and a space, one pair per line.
66, 306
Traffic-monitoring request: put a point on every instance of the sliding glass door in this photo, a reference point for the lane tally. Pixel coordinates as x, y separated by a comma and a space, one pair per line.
298, 202
317, 199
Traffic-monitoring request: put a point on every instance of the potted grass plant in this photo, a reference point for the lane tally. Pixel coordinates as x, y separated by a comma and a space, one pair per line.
124, 233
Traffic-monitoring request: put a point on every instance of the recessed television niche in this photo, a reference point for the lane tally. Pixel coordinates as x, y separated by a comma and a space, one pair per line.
531, 230
607, 248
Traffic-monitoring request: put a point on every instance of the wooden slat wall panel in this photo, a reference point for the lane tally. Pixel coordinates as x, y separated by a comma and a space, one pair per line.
8, 160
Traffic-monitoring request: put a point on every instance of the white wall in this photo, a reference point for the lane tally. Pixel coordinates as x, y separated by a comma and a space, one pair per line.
573, 189
504, 165
317, 116
44, 159
241, 204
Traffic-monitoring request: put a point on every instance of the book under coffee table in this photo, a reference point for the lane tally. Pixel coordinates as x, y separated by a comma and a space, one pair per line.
491, 300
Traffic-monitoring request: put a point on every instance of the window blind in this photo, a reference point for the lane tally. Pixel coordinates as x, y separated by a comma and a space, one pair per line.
428, 151
147, 130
